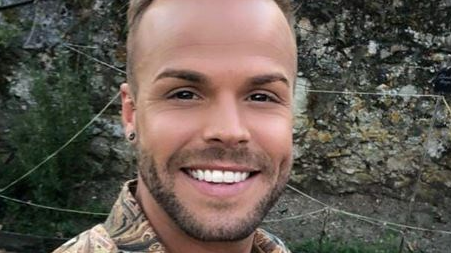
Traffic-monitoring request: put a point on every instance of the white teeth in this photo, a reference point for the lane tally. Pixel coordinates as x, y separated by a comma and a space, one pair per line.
200, 175
218, 176
229, 177
237, 177
208, 176
244, 175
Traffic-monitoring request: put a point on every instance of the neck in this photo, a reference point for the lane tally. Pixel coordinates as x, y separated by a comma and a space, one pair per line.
173, 238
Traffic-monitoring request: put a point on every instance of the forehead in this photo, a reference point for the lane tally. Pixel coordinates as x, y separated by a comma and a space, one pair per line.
174, 29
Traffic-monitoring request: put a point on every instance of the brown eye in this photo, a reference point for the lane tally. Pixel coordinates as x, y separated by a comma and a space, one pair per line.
183, 95
261, 97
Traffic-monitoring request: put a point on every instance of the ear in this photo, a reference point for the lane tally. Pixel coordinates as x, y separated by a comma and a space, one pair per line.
128, 109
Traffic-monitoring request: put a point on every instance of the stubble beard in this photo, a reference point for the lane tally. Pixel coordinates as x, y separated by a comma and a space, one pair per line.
163, 191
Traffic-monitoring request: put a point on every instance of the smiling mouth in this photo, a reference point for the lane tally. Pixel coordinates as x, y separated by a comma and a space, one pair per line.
219, 176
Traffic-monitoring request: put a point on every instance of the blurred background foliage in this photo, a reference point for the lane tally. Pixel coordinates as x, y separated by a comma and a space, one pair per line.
59, 104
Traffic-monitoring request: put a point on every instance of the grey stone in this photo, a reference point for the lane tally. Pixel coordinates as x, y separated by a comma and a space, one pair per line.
100, 147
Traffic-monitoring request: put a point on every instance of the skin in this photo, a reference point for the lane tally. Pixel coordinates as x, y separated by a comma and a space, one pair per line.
214, 90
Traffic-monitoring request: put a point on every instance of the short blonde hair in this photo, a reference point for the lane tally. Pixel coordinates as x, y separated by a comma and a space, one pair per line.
136, 9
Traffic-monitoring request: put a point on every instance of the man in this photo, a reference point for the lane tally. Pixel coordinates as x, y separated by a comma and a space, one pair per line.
208, 108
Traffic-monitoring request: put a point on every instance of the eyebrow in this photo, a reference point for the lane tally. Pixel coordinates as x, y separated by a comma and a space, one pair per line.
268, 78
197, 77
183, 74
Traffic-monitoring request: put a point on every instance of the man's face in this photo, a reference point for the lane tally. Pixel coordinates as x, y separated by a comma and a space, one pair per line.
214, 111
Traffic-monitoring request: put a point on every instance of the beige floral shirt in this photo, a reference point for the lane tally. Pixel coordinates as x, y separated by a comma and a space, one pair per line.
127, 230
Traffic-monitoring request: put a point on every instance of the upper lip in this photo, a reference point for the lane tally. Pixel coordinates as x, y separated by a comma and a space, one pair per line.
222, 166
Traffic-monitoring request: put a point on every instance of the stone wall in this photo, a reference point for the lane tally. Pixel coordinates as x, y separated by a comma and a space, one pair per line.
371, 142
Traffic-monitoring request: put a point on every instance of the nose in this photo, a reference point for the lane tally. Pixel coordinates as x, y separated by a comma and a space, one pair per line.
226, 125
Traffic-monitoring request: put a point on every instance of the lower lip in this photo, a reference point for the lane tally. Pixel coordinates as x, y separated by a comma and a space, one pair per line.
221, 190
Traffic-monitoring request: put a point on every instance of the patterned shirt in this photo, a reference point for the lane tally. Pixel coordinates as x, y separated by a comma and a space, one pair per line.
127, 230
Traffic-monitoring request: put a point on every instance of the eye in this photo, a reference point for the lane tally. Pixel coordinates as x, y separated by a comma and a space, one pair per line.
263, 97
183, 95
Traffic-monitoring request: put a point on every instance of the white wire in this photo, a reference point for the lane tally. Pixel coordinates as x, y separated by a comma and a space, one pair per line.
326, 207
51, 207
62, 147
306, 195
94, 59
110, 66
383, 94
295, 217
366, 218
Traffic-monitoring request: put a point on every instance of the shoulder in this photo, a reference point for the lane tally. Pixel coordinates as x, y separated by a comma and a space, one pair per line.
94, 240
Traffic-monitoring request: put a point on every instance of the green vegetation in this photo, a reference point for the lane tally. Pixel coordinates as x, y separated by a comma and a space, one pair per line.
389, 245
7, 35
58, 109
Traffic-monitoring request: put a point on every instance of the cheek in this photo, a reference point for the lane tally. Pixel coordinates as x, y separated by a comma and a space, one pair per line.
162, 134
274, 136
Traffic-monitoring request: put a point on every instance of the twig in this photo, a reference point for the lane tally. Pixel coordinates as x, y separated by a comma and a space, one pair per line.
324, 230
446, 104
422, 163
19, 4
401, 244
33, 28
295, 11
